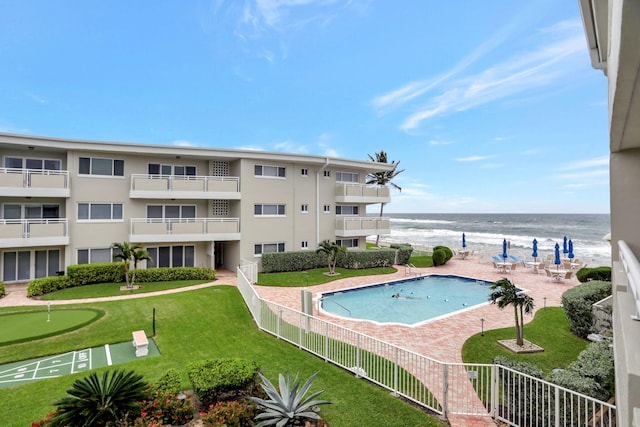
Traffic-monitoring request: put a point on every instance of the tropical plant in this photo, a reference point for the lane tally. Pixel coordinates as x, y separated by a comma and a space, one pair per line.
130, 254
332, 250
99, 401
383, 178
287, 406
504, 293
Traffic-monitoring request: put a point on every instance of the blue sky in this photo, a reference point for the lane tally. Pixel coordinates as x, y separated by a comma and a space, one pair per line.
490, 106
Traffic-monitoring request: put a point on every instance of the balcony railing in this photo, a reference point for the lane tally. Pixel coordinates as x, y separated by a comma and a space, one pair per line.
361, 193
362, 226
34, 183
184, 229
33, 232
184, 187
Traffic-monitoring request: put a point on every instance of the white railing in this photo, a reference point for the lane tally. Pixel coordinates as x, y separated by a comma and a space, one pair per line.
444, 388
144, 182
361, 190
250, 270
34, 178
177, 226
632, 269
33, 228
358, 223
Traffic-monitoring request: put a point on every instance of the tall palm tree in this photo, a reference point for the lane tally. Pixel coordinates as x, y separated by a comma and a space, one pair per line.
332, 250
130, 253
383, 178
100, 400
504, 293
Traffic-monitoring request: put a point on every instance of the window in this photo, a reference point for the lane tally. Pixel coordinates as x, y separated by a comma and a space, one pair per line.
304, 244
347, 243
326, 173
100, 211
28, 163
172, 256
327, 208
16, 211
159, 169
304, 208
304, 172
347, 177
47, 263
346, 210
95, 255
268, 209
16, 266
171, 211
263, 248
273, 171
102, 167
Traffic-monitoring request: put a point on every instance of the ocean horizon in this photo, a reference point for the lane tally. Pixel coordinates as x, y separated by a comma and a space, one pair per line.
484, 233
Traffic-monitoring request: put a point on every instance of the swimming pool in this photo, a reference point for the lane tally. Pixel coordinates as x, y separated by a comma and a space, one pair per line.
410, 302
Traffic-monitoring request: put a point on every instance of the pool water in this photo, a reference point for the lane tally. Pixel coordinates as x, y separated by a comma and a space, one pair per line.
410, 301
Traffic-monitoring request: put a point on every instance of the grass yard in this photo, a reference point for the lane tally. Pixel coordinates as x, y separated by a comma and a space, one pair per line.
113, 289
194, 325
316, 276
549, 329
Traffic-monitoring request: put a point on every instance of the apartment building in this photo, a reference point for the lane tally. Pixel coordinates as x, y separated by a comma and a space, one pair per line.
65, 202
612, 28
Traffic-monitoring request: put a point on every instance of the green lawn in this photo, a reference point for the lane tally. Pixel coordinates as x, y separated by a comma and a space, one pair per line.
193, 325
113, 289
549, 329
316, 276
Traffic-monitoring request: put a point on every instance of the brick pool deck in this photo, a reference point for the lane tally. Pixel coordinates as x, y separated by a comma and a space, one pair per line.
439, 339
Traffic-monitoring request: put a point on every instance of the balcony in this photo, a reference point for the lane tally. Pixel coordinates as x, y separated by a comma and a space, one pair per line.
34, 183
361, 193
17, 233
148, 230
184, 187
362, 226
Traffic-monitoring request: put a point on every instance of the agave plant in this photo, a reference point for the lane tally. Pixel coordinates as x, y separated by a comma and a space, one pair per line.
287, 406
99, 401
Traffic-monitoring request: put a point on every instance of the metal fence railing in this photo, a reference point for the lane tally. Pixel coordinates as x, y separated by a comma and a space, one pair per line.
445, 388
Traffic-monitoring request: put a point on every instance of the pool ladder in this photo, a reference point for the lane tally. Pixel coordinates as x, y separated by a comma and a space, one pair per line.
411, 269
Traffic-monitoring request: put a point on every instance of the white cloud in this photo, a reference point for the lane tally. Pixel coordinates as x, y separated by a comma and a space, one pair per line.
583, 164
583, 175
472, 158
185, 143
437, 142
290, 146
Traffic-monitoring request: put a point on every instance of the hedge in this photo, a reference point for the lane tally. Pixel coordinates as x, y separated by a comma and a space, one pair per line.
577, 303
441, 254
3, 291
169, 274
222, 379
403, 254
597, 273
46, 285
274, 262
87, 274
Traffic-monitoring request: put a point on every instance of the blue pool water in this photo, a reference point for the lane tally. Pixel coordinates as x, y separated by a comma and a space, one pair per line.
408, 301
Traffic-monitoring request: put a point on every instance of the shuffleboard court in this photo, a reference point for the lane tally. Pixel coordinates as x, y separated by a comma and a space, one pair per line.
17, 373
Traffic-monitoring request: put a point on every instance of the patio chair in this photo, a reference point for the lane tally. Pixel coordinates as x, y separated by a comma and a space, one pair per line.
568, 275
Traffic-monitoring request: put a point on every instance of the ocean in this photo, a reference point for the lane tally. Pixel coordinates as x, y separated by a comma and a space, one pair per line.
484, 233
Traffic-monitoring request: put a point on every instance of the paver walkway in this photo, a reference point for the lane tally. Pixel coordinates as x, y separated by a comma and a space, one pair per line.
440, 339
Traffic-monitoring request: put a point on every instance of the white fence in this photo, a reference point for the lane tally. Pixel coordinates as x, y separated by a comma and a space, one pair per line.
444, 388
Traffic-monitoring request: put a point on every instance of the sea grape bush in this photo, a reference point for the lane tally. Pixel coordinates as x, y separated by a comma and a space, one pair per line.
577, 303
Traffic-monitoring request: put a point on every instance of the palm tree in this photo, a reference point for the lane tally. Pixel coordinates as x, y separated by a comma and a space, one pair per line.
100, 401
332, 250
504, 293
130, 253
383, 178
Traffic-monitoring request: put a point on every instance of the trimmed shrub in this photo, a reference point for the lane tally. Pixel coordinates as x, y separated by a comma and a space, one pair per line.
87, 274
164, 408
403, 254
46, 285
3, 291
577, 303
448, 252
439, 257
520, 397
524, 367
230, 414
222, 379
597, 273
357, 260
307, 260
170, 382
170, 274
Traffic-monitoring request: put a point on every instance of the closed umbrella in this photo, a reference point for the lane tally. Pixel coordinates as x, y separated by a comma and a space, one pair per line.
464, 241
564, 246
534, 254
571, 255
504, 250
557, 261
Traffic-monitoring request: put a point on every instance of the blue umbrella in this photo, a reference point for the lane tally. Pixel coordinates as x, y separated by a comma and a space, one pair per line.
464, 241
557, 261
571, 255
564, 246
504, 249
535, 249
